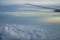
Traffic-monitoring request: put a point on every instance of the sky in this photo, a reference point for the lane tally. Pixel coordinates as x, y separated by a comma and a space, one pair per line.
23, 3
34, 17
37, 2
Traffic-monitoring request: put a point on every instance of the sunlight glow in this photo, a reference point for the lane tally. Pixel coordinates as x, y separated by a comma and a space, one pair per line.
52, 20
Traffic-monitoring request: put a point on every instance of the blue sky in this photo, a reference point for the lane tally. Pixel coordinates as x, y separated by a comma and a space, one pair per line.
37, 2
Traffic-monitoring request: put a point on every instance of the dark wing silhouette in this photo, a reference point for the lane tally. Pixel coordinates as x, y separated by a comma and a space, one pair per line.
55, 9
39, 6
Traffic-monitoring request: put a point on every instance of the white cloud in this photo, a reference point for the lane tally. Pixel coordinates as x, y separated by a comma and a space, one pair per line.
31, 1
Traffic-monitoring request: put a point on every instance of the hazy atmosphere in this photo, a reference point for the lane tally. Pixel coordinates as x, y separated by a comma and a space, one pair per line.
29, 19
29, 5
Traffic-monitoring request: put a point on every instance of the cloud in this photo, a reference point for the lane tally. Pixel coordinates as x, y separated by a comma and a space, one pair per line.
23, 13
46, 2
10, 2
17, 31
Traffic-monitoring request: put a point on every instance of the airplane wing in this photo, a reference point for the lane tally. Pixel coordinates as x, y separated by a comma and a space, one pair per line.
39, 6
